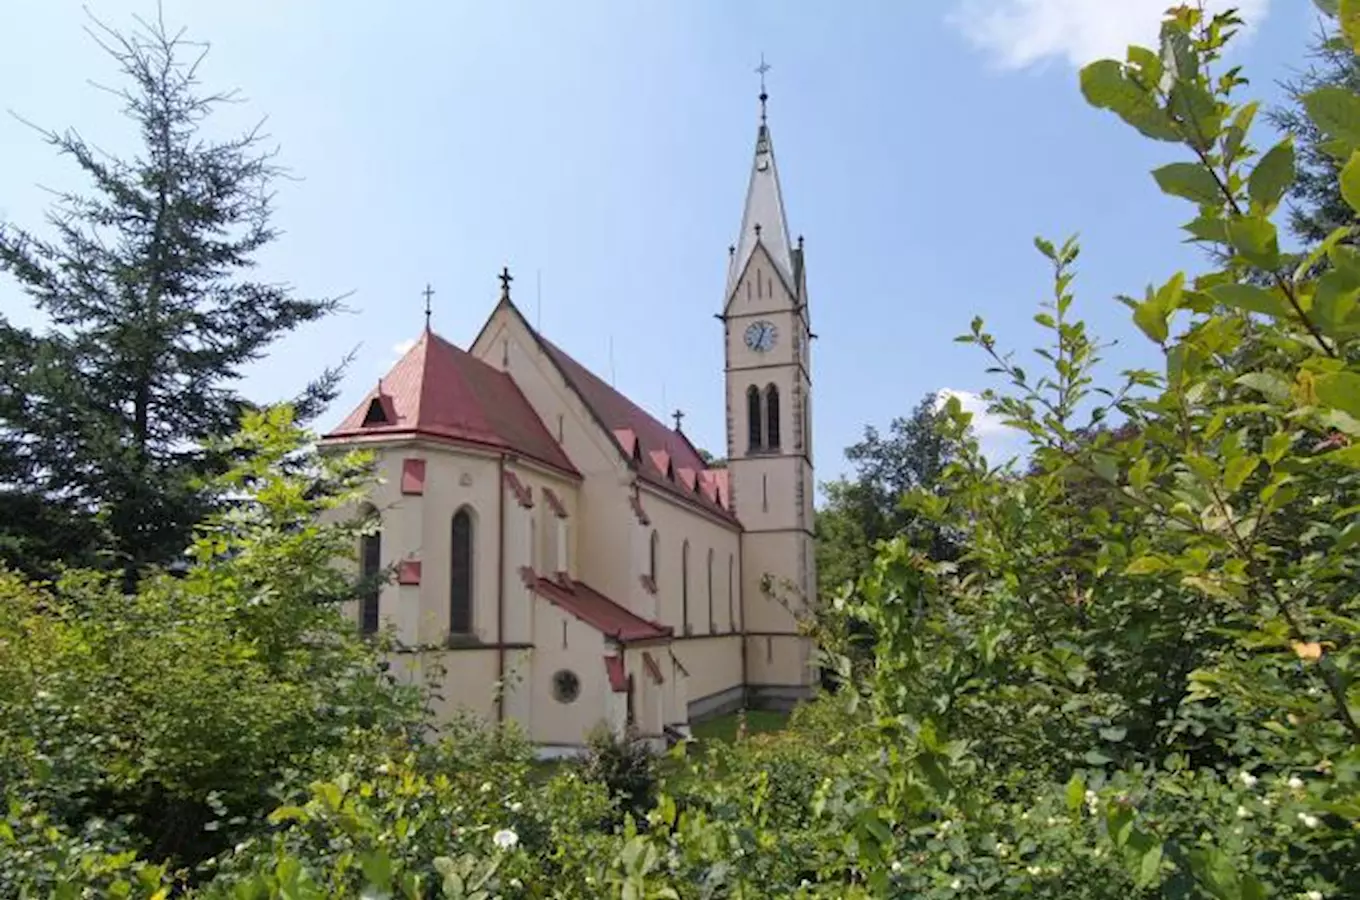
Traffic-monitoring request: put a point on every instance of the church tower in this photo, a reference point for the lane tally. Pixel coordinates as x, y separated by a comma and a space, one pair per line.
769, 449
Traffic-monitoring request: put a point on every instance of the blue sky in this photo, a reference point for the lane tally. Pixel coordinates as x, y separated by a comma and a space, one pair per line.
601, 149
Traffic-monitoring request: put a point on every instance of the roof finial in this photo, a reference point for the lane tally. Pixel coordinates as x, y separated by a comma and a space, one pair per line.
679, 416
761, 70
506, 278
757, 229
427, 294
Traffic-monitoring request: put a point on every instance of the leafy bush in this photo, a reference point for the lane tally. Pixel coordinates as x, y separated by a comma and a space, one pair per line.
178, 709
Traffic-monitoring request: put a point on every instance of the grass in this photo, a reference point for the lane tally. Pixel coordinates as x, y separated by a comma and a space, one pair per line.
724, 728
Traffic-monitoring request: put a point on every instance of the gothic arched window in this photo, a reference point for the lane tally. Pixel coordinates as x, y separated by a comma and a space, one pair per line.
460, 573
753, 429
370, 573
684, 587
772, 417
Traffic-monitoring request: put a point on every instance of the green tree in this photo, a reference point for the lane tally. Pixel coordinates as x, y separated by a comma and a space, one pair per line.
862, 510
1317, 206
145, 281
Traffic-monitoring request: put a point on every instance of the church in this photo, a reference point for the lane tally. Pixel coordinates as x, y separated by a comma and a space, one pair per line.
561, 559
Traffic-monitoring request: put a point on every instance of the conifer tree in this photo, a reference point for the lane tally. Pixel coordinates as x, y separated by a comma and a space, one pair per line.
145, 281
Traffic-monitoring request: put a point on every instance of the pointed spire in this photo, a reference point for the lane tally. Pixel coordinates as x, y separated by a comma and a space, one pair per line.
763, 220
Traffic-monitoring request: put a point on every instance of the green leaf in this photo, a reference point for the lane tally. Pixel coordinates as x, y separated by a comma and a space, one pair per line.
1152, 319
1273, 175
1208, 228
1105, 85
1255, 240
1146, 565
1340, 390
1249, 298
1076, 792
1348, 15
1114, 734
1189, 180
1350, 181
1337, 235
1271, 384
1150, 866
1336, 111
1238, 470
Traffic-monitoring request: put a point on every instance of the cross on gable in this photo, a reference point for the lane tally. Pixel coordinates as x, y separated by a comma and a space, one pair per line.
679, 416
506, 278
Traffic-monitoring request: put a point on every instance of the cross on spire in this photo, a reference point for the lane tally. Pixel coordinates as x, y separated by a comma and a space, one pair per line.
505, 278
427, 294
679, 416
761, 70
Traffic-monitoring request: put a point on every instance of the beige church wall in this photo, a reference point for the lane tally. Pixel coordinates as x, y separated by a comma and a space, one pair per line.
467, 682
761, 290
456, 479
714, 666
675, 524
543, 551
562, 641
780, 663
770, 553
599, 536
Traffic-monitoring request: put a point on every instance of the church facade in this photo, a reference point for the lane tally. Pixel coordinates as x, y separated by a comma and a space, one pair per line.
562, 559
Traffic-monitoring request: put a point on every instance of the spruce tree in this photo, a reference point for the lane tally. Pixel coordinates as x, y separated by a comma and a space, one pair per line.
145, 280
1316, 205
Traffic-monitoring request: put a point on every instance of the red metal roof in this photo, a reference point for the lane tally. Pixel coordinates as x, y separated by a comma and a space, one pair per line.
437, 390
618, 679
598, 611
661, 448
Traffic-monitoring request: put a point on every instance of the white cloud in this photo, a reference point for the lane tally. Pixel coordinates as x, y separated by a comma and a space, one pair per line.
1020, 33
984, 423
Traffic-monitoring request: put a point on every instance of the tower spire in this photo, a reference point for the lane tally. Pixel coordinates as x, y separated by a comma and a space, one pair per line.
763, 220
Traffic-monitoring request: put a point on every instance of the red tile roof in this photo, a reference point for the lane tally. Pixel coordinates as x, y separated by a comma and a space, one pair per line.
437, 390
598, 611
641, 436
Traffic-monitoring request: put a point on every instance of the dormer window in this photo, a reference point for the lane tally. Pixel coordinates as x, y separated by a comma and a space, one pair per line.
375, 415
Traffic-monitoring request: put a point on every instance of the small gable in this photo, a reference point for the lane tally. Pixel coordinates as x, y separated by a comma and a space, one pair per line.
377, 413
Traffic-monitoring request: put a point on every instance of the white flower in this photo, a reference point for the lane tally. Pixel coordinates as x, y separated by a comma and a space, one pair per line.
944, 826
1242, 812
486, 787
1002, 850
955, 884
516, 806
1295, 783
896, 866
505, 839
1248, 779
1309, 820
1035, 870
515, 882
1314, 895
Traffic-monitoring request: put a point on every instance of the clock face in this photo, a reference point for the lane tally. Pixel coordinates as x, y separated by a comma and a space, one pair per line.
760, 336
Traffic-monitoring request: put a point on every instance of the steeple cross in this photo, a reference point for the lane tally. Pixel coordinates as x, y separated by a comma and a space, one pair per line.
427, 294
761, 70
679, 416
506, 278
